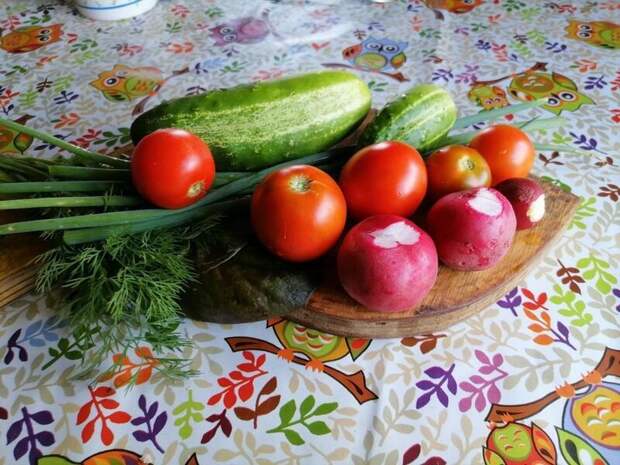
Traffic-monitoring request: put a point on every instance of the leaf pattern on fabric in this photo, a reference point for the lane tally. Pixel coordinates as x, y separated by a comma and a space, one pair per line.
552, 327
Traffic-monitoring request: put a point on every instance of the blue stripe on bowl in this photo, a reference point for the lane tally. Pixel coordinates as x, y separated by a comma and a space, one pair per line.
113, 7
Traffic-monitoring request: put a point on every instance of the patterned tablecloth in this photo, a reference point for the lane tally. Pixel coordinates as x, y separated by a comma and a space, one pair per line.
417, 400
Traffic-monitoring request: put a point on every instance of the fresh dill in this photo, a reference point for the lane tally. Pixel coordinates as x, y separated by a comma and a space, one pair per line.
123, 293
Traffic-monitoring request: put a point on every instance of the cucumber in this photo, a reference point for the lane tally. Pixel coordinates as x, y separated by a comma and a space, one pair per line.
257, 125
421, 118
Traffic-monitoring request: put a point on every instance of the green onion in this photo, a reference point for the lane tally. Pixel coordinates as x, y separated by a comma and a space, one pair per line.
14, 164
558, 148
67, 202
127, 217
56, 186
82, 221
5, 177
224, 177
538, 124
80, 152
88, 173
492, 115
80, 236
531, 125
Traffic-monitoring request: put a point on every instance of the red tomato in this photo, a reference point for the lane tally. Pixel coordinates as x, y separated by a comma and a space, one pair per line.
386, 178
508, 151
456, 168
298, 212
172, 168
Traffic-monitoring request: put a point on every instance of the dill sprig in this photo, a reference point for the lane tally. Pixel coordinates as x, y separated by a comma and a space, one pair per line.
124, 292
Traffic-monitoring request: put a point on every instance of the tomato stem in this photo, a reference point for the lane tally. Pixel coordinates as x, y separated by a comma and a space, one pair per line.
300, 184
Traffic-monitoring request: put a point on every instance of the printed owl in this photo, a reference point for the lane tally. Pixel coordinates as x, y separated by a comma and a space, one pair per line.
453, 6
599, 33
109, 457
248, 30
488, 97
29, 38
594, 414
318, 347
14, 142
376, 54
123, 83
518, 444
561, 92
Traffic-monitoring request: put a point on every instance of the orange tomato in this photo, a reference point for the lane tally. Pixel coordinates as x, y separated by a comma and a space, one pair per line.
386, 178
508, 151
298, 212
456, 168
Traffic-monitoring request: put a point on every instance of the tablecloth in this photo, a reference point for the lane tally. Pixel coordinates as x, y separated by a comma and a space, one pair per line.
417, 400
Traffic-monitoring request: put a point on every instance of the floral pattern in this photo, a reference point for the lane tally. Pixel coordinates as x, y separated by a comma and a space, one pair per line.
424, 399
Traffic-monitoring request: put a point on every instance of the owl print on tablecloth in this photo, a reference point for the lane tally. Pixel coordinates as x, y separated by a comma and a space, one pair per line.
13, 142
318, 347
30, 38
519, 444
246, 30
122, 83
452, 6
376, 54
488, 97
599, 33
590, 423
560, 91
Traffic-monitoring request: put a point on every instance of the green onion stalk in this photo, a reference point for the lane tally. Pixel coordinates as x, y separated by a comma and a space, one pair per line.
84, 155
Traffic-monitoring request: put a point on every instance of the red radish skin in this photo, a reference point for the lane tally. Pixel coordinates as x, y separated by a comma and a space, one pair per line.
527, 199
387, 263
472, 229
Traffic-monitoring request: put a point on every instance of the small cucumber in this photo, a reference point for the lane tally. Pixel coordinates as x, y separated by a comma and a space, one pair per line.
421, 117
257, 125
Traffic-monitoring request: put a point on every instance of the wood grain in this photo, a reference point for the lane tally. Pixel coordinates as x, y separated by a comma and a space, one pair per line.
16, 268
456, 294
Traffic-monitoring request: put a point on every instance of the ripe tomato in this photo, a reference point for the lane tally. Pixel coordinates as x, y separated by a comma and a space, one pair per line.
298, 212
386, 178
456, 168
172, 168
508, 151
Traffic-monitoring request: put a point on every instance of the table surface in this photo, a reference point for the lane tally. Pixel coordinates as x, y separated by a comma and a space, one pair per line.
429, 396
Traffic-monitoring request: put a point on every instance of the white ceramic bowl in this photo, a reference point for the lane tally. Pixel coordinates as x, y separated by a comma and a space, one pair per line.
109, 10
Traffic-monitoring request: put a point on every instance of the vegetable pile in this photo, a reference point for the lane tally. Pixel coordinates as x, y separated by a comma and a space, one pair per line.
246, 244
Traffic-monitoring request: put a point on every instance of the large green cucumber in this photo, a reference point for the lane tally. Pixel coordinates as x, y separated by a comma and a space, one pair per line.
257, 125
421, 117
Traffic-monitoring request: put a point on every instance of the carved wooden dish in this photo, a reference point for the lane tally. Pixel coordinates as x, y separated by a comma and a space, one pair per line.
456, 294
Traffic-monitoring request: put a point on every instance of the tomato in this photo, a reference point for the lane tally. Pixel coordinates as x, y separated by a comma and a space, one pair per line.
172, 168
298, 212
508, 151
456, 168
386, 178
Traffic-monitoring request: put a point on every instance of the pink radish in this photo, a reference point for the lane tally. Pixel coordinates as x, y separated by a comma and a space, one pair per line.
387, 263
527, 199
472, 229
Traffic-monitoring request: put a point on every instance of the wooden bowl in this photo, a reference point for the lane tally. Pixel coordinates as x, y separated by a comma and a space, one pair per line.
456, 294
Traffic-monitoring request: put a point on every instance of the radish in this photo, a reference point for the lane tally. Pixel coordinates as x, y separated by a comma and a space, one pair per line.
387, 263
472, 229
527, 199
